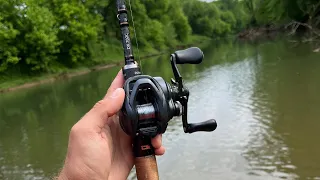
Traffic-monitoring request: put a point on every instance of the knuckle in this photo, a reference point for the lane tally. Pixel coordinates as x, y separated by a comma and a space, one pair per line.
104, 115
101, 107
75, 130
99, 104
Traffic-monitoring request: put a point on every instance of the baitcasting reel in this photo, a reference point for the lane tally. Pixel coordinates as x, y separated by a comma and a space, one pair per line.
150, 102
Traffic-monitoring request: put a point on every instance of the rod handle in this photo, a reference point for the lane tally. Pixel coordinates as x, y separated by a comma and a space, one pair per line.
147, 168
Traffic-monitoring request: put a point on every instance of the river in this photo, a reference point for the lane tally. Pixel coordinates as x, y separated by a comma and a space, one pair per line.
264, 96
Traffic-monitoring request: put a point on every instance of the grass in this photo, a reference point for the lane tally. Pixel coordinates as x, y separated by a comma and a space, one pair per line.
15, 80
111, 53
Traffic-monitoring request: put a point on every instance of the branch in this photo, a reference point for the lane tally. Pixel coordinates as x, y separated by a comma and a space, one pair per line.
296, 24
308, 26
316, 9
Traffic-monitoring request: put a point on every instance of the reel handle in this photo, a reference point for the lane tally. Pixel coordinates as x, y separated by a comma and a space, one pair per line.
192, 55
206, 126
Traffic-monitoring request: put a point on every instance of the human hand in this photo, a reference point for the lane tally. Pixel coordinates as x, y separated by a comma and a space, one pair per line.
98, 148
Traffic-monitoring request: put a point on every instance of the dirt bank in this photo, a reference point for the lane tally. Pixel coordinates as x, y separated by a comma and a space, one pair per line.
256, 32
68, 75
56, 77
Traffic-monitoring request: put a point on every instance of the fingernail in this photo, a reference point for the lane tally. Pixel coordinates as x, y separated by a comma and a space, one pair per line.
115, 93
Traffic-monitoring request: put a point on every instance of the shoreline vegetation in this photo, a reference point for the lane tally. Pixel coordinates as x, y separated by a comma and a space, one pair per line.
312, 35
43, 41
289, 17
28, 82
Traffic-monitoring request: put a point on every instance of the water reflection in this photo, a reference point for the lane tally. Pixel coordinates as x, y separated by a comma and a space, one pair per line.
286, 105
264, 96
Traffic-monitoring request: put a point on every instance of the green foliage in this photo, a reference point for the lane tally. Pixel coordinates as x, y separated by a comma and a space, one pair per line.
8, 53
28, 35
51, 36
156, 8
211, 19
40, 36
241, 15
235, 13
283, 11
180, 22
155, 34
269, 11
76, 26
228, 17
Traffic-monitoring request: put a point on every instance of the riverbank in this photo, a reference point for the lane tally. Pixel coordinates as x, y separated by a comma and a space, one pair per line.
22, 82
257, 32
291, 28
295, 32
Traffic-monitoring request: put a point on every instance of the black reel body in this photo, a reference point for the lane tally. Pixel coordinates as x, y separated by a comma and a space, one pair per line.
147, 107
150, 102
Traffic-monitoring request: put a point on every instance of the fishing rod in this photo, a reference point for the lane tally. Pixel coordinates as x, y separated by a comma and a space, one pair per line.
150, 102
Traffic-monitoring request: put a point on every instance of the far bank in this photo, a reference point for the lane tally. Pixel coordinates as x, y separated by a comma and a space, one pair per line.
16, 81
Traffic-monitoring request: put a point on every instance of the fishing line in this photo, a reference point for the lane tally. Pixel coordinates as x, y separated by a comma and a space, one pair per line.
135, 35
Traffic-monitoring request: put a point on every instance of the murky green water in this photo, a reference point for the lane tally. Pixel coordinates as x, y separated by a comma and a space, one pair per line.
265, 97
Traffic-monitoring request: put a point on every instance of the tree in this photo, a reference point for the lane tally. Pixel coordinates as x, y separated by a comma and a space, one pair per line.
8, 52
28, 35
76, 26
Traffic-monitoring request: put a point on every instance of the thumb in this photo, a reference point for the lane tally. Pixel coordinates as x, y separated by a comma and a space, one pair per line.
110, 105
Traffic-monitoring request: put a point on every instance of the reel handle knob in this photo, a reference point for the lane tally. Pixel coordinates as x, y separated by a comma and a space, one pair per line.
207, 126
192, 55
